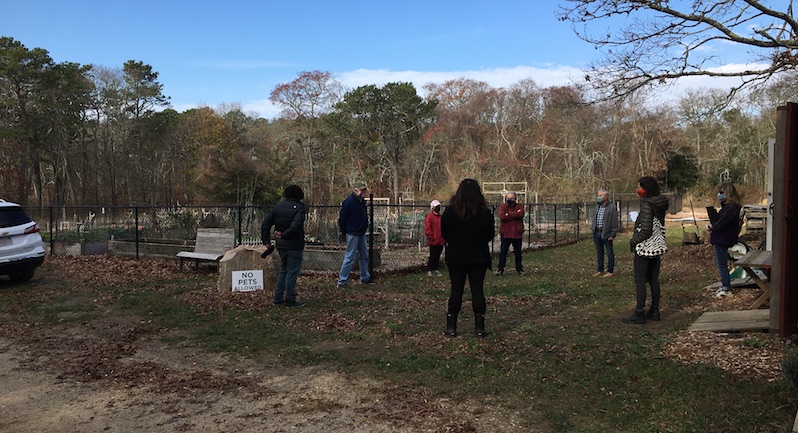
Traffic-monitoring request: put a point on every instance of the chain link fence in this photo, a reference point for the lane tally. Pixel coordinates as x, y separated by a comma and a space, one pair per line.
398, 240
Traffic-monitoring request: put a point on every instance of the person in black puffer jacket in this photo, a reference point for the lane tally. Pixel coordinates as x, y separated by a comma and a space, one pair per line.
646, 269
288, 220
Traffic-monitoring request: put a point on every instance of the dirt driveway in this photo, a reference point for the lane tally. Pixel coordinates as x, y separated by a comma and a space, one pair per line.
116, 374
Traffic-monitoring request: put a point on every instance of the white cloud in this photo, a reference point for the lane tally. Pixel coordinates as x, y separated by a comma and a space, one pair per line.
262, 107
702, 82
554, 75
497, 77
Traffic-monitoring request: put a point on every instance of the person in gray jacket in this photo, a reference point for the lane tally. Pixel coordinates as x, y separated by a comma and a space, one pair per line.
604, 228
288, 219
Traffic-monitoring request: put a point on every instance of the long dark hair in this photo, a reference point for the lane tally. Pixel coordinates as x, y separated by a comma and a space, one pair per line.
468, 200
650, 185
728, 189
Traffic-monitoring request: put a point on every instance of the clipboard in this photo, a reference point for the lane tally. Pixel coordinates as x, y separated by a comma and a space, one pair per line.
712, 213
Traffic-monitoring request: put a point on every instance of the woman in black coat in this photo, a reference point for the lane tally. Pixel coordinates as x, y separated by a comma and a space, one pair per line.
647, 266
468, 227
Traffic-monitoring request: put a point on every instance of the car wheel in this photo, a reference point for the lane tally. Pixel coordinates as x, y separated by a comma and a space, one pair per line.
22, 276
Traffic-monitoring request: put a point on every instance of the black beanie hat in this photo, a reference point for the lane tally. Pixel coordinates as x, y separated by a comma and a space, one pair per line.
294, 191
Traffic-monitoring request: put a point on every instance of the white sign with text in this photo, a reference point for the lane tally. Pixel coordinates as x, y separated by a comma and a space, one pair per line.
247, 281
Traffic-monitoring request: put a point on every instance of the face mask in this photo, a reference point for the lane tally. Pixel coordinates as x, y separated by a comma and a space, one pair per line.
599, 199
511, 202
721, 196
437, 209
641, 192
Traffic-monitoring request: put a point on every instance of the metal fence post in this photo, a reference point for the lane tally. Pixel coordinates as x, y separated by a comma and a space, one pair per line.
555, 224
529, 228
371, 234
136, 228
239, 232
52, 230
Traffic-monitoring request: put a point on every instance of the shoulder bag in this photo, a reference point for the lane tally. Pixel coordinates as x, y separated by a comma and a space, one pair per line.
655, 245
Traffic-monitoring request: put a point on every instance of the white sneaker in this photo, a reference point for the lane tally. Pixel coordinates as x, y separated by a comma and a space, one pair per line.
437, 273
429, 273
722, 292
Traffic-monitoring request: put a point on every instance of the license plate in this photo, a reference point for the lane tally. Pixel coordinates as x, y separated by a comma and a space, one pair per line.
5, 240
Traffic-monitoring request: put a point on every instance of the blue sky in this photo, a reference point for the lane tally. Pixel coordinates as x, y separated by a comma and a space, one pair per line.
209, 53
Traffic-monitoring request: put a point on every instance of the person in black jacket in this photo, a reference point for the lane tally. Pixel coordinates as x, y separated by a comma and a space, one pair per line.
646, 268
288, 220
468, 227
724, 232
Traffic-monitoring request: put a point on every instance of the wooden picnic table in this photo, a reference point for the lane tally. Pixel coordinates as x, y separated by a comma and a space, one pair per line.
763, 260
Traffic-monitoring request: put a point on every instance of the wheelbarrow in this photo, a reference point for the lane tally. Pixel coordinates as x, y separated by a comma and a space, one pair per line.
690, 234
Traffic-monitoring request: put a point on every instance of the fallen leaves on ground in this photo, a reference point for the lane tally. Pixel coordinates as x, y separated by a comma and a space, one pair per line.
751, 354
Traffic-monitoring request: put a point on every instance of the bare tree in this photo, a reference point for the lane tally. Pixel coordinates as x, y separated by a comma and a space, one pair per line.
304, 100
665, 40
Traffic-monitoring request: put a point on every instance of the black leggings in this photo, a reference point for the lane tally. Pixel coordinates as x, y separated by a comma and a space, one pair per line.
647, 271
476, 281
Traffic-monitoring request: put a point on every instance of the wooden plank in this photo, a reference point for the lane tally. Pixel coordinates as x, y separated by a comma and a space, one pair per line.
734, 316
730, 326
214, 240
730, 321
756, 259
200, 256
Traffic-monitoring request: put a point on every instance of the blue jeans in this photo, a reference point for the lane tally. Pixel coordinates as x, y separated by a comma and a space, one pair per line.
290, 263
602, 244
722, 261
355, 245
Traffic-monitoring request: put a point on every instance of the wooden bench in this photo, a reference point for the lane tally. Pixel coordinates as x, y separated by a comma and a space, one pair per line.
763, 260
209, 246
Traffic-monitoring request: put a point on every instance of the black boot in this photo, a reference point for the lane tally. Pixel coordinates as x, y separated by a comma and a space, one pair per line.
652, 314
479, 324
638, 318
451, 325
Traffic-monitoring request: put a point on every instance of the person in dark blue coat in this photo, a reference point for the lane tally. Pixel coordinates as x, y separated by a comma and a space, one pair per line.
288, 220
724, 232
468, 227
353, 221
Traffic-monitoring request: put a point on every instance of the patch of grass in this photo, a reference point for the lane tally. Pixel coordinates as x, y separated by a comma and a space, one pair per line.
68, 312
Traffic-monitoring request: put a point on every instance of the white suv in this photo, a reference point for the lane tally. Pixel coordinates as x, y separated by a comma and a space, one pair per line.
21, 247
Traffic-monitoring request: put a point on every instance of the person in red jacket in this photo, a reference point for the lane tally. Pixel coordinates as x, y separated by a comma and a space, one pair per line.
511, 230
435, 240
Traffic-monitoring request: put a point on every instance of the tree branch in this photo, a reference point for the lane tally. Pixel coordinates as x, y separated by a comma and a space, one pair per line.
662, 41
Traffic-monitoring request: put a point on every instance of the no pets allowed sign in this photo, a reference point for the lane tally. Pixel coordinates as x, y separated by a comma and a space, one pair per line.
247, 281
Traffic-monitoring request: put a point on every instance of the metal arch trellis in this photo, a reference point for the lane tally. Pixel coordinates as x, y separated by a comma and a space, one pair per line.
502, 188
